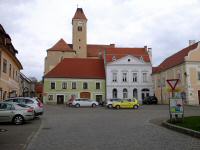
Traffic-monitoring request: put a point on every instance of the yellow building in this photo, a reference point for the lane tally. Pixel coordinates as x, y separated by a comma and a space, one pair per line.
9, 67
185, 66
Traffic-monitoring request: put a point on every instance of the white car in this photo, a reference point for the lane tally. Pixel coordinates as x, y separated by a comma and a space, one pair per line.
32, 102
15, 112
84, 102
110, 101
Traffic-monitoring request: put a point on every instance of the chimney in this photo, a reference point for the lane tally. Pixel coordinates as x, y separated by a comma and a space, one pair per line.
191, 42
112, 45
150, 53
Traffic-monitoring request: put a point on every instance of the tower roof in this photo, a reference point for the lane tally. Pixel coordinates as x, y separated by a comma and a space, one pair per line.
79, 14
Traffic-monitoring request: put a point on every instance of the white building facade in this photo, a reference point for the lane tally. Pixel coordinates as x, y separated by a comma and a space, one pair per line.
129, 77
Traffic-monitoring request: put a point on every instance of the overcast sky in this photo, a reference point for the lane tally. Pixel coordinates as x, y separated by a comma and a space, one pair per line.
36, 25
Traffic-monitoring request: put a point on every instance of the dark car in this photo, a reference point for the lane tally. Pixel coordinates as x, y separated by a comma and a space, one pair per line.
150, 100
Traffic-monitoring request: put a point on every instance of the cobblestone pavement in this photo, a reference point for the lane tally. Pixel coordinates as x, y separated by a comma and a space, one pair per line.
66, 128
16, 137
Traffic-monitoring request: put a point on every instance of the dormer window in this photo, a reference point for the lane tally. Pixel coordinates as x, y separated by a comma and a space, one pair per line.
129, 60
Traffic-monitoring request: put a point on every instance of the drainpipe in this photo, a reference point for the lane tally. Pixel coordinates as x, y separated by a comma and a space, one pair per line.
104, 57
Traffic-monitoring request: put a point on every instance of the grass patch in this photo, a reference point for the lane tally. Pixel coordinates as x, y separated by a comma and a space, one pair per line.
192, 122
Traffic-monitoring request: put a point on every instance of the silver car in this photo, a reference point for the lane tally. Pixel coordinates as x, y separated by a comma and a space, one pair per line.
16, 113
32, 102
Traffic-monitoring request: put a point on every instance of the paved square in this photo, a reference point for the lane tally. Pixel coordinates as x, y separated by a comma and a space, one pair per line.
66, 128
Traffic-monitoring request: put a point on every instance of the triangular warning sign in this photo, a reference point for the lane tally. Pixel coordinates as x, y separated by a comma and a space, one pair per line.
172, 83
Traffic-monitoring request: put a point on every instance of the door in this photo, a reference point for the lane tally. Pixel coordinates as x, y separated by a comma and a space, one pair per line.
60, 99
199, 96
6, 112
99, 98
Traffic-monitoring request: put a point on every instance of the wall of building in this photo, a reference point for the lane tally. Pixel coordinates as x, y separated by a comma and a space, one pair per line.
9, 81
135, 66
54, 57
69, 91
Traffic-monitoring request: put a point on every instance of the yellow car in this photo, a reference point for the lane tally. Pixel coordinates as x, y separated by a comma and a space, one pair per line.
129, 103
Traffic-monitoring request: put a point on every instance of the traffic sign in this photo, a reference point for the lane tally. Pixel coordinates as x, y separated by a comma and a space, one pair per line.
173, 83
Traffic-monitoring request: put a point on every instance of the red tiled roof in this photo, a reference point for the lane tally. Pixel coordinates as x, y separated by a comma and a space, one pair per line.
93, 50
121, 52
39, 88
79, 14
61, 45
176, 59
78, 68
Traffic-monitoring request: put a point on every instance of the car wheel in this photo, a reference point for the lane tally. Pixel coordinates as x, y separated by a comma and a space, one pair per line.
135, 106
110, 106
117, 107
94, 105
18, 120
77, 105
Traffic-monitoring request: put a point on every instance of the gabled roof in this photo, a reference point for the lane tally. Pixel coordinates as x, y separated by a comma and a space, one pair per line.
78, 68
94, 50
61, 45
121, 52
79, 14
174, 60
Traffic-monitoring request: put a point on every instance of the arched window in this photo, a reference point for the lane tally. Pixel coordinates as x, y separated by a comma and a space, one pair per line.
125, 93
114, 92
135, 93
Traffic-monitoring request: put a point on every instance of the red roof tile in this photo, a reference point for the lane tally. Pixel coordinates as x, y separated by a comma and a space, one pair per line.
78, 68
61, 45
79, 14
121, 52
176, 59
93, 50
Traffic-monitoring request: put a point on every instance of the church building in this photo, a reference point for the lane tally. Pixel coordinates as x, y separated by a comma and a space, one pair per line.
82, 70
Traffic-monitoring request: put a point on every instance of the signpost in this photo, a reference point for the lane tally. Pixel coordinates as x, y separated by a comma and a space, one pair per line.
175, 103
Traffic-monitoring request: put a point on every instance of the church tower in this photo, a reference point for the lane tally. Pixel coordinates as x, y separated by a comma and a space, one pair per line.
79, 39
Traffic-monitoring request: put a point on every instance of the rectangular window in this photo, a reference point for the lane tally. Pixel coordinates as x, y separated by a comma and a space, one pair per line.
85, 85
198, 75
50, 97
134, 77
114, 77
124, 77
10, 70
79, 28
73, 85
4, 65
144, 75
53, 85
64, 85
98, 86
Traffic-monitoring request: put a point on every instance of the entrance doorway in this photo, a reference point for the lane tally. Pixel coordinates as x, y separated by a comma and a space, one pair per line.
145, 93
199, 96
85, 95
99, 98
60, 99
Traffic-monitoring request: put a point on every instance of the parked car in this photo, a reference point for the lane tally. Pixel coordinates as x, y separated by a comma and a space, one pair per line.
150, 100
127, 103
84, 102
15, 112
110, 101
32, 102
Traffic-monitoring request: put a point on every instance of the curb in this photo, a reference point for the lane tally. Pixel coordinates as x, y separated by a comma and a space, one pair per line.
181, 129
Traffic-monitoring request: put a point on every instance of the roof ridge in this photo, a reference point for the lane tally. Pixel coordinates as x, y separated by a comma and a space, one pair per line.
61, 45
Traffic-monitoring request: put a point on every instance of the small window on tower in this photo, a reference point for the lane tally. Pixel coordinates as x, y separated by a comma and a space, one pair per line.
79, 47
79, 40
79, 28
